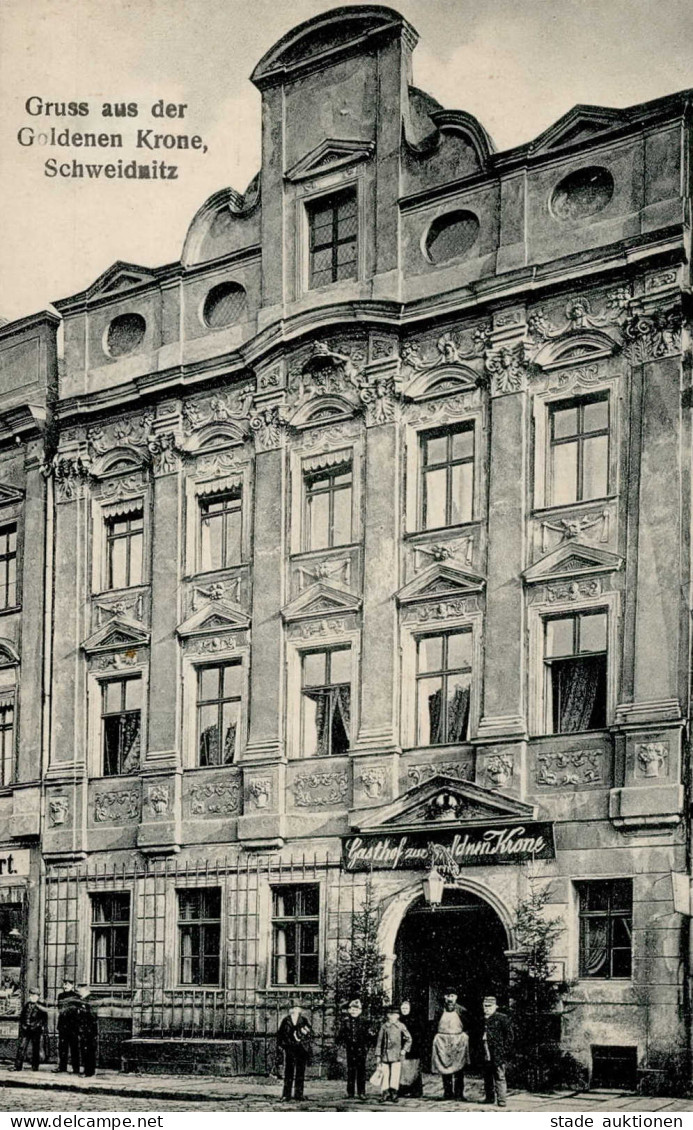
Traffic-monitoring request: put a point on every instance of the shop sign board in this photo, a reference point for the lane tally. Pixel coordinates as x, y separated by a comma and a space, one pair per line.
478, 844
14, 862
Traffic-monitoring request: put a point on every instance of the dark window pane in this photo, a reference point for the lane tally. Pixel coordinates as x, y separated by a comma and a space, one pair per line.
622, 963
310, 901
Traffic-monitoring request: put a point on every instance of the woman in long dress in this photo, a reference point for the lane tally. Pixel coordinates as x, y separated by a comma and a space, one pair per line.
411, 1083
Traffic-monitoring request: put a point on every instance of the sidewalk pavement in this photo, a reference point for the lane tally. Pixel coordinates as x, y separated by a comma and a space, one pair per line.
320, 1092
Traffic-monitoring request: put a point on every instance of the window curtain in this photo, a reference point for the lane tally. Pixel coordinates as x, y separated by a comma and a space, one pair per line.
435, 717
322, 714
579, 680
101, 958
130, 747
596, 939
458, 714
342, 708
229, 743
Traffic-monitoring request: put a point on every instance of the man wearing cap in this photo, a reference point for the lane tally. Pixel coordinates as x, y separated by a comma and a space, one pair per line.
354, 1036
32, 1024
451, 1046
88, 1032
68, 1027
293, 1039
497, 1041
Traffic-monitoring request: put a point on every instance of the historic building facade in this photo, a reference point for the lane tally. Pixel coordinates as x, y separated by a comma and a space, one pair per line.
371, 533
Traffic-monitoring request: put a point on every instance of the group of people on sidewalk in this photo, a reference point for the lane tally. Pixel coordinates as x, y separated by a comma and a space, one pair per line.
77, 1030
399, 1050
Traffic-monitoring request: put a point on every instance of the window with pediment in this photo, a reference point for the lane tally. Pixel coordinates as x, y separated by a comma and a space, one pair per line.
575, 669
443, 685
447, 476
333, 238
325, 701
124, 532
220, 530
328, 504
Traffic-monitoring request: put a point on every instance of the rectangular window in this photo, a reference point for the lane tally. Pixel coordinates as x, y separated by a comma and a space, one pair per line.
8, 566
220, 531
199, 935
328, 501
606, 917
333, 233
447, 477
121, 708
6, 742
579, 450
326, 701
444, 679
219, 694
575, 660
110, 938
295, 935
124, 540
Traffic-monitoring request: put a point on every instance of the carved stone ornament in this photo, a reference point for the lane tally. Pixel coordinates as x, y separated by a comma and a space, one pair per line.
229, 407
451, 348
573, 590
461, 549
650, 337
71, 475
165, 452
116, 661
651, 759
423, 772
212, 645
373, 781
268, 427
380, 397
260, 791
499, 769
229, 590
218, 463
326, 569
131, 606
444, 610
319, 789
325, 370
216, 799
574, 526
506, 368
158, 799
130, 432
113, 490
116, 807
308, 629
577, 768
58, 808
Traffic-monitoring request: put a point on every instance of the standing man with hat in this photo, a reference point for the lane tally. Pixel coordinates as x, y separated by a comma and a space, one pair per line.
497, 1041
68, 1026
451, 1046
88, 1032
354, 1035
294, 1040
32, 1024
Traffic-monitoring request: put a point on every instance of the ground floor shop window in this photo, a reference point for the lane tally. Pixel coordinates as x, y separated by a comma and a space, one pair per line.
110, 938
199, 935
295, 934
606, 916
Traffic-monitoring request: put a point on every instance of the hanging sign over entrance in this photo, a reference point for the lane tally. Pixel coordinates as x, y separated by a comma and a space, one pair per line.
520, 842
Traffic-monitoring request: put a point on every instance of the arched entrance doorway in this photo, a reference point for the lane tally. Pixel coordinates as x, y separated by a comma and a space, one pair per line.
462, 943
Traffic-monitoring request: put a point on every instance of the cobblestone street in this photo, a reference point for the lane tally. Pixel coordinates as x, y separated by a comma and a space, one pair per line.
112, 1091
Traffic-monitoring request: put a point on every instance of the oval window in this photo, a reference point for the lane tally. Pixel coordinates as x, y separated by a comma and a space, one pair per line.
451, 236
125, 334
224, 305
582, 193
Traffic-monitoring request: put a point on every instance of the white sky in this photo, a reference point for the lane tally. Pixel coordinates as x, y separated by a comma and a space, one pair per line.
517, 65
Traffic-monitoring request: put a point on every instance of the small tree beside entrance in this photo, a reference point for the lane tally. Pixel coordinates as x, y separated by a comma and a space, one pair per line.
359, 966
539, 1062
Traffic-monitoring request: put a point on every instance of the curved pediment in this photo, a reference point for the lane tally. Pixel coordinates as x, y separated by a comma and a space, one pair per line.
441, 381
9, 656
322, 410
121, 460
218, 434
575, 349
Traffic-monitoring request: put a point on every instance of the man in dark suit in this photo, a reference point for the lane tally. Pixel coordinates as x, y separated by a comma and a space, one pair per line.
68, 1027
497, 1041
32, 1024
354, 1035
293, 1038
88, 1032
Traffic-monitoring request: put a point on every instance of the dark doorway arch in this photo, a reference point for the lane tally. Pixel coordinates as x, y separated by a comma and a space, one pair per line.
462, 943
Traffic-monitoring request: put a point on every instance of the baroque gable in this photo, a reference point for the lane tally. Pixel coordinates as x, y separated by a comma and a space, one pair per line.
579, 124
446, 801
320, 600
331, 154
439, 581
572, 559
120, 276
217, 616
116, 635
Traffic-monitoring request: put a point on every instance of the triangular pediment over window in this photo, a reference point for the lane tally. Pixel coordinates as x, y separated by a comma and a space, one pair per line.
116, 635
9, 494
443, 802
440, 581
331, 154
320, 600
579, 124
572, 559
214, 617
120, 276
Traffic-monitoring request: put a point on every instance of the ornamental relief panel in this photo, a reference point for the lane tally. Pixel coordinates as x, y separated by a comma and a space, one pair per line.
226, 644
434, 611
562, 591
327, 626
234, 406
320, 789
462, 551
230, 588
124, 660
595, 525
462, 768
572, 769
215, 799
117, 807
651, 759
131, 605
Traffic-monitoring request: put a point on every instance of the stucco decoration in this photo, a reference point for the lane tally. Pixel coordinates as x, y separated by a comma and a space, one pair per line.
158, 799
443, 365
460, 770
216, 799
71, 475
460, 550
507, 369
574, 526
129, 606
232, 408
127, 436
326, 569
123, 487
650, 337
116, 807
120, 661
320, 789
268, 427
58, 810
373, 781
314, 629
260, 791
651, 759
499, 769
228, 590
579, 768
165, 451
